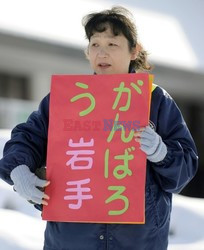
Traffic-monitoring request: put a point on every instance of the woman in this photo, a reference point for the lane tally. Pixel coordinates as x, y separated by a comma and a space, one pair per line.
171, 153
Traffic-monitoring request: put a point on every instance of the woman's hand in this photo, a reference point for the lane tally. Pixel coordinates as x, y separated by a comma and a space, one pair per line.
27, 185
151, 143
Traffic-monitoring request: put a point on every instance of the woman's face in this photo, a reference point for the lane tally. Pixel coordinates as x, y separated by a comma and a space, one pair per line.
109, 54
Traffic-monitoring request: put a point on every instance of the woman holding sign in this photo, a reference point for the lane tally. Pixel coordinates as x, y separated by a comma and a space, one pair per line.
170, 150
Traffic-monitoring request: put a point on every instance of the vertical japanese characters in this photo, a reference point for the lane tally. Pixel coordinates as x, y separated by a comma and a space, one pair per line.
78, 190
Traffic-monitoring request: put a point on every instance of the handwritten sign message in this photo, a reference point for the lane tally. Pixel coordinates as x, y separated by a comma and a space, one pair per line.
96, 169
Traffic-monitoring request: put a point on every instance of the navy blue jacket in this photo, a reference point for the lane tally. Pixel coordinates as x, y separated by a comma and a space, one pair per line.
28, 146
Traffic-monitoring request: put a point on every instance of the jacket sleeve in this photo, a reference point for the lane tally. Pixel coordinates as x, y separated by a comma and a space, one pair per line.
181, 162
28, 143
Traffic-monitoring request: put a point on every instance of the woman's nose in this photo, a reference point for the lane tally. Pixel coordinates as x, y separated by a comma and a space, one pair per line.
102, 52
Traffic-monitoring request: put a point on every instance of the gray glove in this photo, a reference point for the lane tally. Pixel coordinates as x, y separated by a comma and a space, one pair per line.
151, 143
26, 183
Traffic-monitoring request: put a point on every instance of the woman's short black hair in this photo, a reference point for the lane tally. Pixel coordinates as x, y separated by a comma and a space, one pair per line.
120, 21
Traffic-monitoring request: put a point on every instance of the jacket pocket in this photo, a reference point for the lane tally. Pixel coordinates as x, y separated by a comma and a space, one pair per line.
158, 206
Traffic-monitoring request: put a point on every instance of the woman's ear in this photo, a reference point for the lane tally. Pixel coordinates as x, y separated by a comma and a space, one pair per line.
86, 52
136, 51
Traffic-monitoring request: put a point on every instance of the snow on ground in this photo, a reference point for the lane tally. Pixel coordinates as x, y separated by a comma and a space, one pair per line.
187, 224
19, 231
21, 227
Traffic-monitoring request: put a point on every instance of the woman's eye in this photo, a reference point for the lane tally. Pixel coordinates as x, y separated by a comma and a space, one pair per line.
113, 44
94, 45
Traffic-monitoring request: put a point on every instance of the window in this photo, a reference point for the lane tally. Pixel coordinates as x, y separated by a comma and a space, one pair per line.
193, 113
14, 86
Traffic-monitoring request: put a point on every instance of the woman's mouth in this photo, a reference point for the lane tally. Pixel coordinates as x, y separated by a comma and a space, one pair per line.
104, 65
